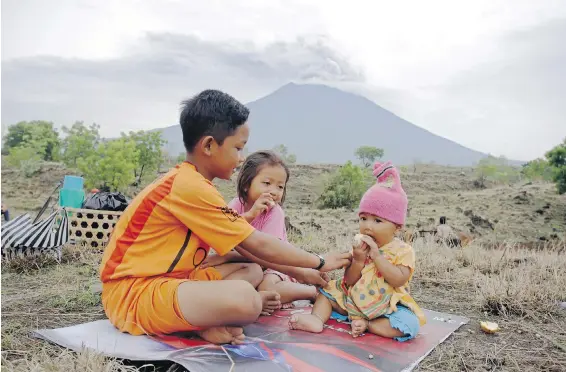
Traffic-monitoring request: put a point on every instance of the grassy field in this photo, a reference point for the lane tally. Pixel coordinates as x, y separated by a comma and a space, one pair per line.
516, 287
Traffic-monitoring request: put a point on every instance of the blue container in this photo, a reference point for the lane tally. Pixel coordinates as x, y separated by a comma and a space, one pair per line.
71, 198
73, 183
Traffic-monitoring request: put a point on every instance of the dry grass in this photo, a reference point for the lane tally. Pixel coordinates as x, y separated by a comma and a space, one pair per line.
517, 288
66, 361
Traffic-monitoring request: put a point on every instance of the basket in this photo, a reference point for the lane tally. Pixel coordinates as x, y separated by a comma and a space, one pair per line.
91, 226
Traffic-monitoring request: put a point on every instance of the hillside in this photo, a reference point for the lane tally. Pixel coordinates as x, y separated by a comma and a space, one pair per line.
325, 125
519, 213
522, 213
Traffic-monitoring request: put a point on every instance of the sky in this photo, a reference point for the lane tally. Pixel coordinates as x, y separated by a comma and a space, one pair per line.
488, 74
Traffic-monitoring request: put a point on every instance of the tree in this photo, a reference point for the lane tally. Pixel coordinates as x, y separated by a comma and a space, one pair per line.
345, 187
368, 154
39, 135
557, 159
80, 142
111, 165
181, 157
283, 152
495, 169
149, 156
538, 170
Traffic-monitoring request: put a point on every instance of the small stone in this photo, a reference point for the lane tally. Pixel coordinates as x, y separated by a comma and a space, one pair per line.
471, 331
96, 288
519, 331
538, 336
451, 310
370, 356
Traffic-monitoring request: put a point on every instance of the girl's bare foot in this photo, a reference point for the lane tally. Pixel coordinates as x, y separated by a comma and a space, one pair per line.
223, 335
271, 301
359, 326
306, 322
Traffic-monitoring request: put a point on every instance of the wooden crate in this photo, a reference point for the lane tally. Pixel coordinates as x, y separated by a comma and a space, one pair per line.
91, 226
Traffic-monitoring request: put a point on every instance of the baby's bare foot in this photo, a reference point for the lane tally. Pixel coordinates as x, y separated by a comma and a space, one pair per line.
306, 322
271, 302
359, 326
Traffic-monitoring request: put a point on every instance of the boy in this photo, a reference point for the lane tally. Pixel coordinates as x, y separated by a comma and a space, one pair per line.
152, 282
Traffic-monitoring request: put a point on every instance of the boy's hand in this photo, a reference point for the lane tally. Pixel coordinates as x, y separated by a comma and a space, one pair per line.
336, 260
213, 260
312, 276
262, 204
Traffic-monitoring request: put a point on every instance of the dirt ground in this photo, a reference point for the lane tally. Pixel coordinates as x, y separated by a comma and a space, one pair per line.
517, 287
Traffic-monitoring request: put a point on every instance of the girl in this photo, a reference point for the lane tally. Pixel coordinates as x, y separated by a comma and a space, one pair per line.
374, 291
262, 187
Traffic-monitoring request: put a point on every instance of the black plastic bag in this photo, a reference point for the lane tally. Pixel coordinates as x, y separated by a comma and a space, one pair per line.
107, 201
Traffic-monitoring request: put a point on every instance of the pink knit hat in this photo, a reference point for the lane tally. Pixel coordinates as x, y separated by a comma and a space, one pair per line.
386, 199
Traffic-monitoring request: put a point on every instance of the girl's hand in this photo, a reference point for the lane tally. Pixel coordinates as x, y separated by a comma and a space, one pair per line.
263, 204
213, 260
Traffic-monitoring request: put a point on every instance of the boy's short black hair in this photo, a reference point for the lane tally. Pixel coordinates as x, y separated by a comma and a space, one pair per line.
211, 113
443, 220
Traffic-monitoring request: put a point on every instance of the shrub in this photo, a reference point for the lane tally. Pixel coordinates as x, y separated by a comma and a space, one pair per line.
345, 187
26, 159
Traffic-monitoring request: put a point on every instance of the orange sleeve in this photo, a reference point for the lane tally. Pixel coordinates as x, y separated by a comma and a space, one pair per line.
201, 208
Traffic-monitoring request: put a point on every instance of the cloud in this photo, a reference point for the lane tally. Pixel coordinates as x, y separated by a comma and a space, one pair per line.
510, 104
517, 100
142, 89
484, 73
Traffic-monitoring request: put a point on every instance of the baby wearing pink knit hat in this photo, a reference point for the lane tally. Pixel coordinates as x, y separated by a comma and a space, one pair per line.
373, 294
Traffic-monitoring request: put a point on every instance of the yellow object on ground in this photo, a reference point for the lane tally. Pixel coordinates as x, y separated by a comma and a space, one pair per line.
489, 327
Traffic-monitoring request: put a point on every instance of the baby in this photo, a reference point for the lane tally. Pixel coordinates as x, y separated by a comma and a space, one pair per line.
374, 291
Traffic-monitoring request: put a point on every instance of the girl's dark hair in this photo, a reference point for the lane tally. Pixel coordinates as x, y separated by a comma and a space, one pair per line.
251, 167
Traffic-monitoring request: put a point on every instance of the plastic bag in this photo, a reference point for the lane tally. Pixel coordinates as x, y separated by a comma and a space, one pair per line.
107, 201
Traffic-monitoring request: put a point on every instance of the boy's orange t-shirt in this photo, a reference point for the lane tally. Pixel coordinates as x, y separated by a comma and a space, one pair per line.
168, 229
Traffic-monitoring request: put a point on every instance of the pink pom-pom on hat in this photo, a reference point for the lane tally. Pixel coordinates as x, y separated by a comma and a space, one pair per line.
386, 199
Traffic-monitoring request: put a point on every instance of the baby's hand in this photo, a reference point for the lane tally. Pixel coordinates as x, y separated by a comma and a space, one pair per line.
369, 241
359, 249
374, 253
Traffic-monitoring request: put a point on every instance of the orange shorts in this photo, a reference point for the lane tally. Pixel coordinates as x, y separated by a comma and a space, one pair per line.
149, 305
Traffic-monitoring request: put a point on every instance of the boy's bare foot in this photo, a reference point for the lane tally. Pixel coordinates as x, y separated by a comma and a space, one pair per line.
223, 335
271, 302
359, 326
306, 322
